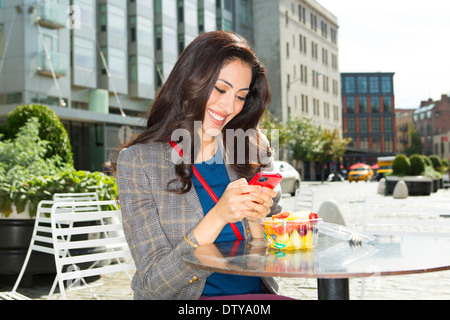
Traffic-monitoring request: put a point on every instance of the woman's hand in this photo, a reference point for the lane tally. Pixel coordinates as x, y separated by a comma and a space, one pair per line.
239, 200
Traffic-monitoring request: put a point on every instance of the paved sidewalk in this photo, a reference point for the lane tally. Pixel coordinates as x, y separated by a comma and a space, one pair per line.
351, 197
434, 285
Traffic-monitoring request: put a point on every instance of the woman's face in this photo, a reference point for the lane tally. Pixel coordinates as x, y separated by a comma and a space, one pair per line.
227, 97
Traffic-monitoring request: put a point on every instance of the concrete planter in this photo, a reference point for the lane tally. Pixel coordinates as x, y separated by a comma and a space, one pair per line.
15, 236
417, 185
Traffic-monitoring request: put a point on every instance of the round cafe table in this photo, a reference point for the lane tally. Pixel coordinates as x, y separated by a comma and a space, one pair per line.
332, 261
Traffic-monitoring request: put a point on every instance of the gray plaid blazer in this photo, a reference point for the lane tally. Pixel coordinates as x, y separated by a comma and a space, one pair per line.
155, 222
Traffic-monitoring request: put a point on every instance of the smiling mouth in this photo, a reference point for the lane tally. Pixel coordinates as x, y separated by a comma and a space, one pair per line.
215, 116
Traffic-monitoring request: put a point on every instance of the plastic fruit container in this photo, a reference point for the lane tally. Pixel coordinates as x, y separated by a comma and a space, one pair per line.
291, 233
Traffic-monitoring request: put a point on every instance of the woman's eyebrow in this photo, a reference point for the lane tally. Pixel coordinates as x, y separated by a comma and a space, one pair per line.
243, 89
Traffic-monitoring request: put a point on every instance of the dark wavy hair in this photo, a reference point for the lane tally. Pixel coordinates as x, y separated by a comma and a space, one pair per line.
182, 99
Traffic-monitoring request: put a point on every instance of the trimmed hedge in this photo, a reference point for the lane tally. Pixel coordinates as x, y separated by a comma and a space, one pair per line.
417, 165
51, 129
401, 165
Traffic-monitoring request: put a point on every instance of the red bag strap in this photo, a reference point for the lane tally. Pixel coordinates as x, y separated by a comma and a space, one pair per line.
207, 188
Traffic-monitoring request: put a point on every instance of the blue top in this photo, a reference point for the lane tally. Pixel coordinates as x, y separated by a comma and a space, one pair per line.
219, 284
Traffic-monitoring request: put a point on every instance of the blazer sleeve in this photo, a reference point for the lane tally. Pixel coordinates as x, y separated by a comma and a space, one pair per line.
160, 272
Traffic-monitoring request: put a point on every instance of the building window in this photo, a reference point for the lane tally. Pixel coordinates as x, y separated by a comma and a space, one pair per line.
180, 11
333, 36
364, 143
84, 54
102, 10
158, 8
116, 16
376, 145
387, 104
349, 85
133, 68
158, 37
362, 102
374, 86
388, 144
313, 22
375, 125
386, 85
363, 125
350, 104
362, 84
305, 104
351, 125
375, 104
132, 28
387, 124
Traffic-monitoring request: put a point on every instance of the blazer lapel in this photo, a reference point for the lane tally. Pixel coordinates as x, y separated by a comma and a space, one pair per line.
191, 196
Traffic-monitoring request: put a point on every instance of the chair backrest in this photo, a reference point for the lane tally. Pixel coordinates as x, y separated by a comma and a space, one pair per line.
86, 196
94, 238
41, 239
430, 217
304, 199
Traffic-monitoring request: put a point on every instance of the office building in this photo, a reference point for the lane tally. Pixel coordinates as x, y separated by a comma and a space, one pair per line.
98, 64
369, 115
298, 42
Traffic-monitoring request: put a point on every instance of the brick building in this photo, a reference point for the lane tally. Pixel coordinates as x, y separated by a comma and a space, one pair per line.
432, 122
368, 110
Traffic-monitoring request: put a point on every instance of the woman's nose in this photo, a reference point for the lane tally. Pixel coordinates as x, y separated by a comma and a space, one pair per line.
228, 102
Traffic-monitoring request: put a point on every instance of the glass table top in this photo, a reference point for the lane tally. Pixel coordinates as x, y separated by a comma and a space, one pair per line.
331, 258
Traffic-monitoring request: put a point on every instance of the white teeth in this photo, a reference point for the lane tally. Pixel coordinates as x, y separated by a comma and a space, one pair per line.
215, 116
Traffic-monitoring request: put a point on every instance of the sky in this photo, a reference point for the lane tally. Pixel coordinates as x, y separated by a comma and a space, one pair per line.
408, 37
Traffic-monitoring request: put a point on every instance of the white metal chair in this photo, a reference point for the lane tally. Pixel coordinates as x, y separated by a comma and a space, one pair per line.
71, 234
304, 199
403, 217
41, 240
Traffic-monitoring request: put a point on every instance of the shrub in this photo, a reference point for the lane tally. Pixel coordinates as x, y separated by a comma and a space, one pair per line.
26, 178
417, 164
51, 129
426, 161
401, 165
436, 162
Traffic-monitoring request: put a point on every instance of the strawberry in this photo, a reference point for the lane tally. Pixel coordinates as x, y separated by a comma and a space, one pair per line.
313, 215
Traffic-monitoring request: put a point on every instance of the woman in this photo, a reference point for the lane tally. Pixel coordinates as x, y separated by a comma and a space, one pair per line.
217, 84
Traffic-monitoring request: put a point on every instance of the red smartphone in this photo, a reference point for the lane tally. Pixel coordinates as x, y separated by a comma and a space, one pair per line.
266, 179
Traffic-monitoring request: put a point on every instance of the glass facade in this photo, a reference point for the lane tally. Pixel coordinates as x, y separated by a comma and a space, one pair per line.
139, 40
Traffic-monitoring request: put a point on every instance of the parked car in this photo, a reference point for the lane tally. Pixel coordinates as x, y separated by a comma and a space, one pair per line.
291, 177
360, 173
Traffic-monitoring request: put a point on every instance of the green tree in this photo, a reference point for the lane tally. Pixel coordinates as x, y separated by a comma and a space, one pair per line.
333, 147
270, 123
312, 143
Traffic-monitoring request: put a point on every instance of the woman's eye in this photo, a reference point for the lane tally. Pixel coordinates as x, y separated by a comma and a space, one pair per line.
219, 90
242, 98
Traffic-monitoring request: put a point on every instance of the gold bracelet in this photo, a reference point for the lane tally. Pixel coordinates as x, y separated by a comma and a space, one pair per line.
190, 242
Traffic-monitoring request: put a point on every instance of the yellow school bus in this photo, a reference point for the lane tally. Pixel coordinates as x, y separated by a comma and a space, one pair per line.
384, 166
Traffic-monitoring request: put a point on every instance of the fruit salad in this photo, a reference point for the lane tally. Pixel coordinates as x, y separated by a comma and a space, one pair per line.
291, 230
